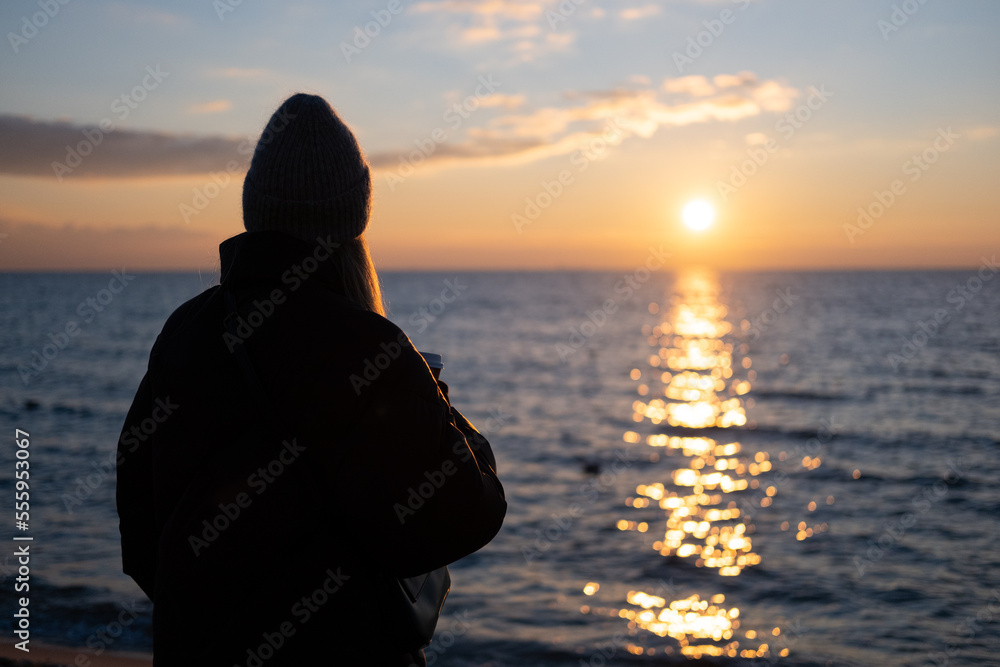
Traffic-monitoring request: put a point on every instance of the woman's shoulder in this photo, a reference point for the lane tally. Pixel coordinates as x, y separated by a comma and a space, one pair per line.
190, 314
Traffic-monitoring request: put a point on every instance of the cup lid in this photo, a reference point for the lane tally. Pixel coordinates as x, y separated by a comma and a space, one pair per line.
433, 359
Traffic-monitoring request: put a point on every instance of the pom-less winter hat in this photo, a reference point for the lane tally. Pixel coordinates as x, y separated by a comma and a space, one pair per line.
307, 177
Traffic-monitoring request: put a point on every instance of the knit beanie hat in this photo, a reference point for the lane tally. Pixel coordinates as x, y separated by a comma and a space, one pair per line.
307, 177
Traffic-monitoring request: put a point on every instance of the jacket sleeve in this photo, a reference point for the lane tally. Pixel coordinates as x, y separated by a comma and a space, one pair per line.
134, 492
479, 445
418, 485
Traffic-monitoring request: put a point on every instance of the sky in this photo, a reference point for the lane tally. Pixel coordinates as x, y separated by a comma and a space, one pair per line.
531, 134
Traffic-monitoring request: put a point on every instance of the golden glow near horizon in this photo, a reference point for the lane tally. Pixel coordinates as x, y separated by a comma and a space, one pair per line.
699, 215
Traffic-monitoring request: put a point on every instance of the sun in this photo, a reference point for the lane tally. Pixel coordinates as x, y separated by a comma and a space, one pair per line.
698, 215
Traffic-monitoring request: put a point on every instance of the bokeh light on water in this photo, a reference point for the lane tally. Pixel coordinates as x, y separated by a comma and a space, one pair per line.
693, 387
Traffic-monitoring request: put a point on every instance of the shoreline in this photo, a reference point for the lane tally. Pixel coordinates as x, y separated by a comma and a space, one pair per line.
48, 655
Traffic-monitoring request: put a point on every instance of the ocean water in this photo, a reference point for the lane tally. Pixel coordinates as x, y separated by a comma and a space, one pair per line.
701, 468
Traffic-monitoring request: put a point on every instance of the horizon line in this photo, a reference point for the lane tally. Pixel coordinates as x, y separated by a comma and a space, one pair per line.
570, 269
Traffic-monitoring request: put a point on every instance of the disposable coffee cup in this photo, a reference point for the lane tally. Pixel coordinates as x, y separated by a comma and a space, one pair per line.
435, 361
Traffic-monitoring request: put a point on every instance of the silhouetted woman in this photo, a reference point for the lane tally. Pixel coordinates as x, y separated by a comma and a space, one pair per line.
267, 538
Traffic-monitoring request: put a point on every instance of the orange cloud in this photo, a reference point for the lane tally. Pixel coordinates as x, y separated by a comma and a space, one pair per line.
695, 85
517, 24
523, 10
216, 106
561, 130
635, 13
501, 100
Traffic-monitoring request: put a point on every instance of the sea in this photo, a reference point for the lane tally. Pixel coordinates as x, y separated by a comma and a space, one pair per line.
702, 468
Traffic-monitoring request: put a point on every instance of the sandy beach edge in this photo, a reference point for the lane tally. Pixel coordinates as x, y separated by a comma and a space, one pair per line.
46, 654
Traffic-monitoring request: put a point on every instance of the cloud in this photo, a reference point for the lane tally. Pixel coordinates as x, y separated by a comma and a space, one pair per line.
982, 132
502, 131
519, 10
526, 30
695, 85
516, 138
731, 80
47, 149
216, 106
501, 100
240, 73
635, 13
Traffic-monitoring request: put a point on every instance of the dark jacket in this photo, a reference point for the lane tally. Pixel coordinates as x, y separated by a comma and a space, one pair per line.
264, 549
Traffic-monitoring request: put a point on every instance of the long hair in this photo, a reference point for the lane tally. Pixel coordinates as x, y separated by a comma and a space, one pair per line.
357, 270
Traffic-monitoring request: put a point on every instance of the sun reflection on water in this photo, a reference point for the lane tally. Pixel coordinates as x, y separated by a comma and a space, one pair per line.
700, 391
694, 386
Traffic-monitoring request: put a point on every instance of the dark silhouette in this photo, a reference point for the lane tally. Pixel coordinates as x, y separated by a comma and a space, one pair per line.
259, 549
